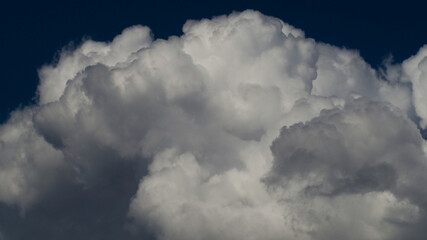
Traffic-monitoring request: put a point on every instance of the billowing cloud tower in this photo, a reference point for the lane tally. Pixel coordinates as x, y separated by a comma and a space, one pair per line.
241, 128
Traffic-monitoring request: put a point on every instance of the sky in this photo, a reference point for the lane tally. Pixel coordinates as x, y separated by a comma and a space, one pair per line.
34, 32
213, 120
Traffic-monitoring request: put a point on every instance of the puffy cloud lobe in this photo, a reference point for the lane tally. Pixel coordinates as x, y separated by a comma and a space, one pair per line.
179, 202
361, 147
369, 153
343, 73
170, 97
415, 71
27, 161
53, 79
201, 111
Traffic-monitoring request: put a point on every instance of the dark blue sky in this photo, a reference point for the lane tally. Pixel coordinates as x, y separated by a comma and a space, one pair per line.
32, 32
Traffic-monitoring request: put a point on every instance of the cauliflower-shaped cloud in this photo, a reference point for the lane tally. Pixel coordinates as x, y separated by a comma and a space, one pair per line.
241, 128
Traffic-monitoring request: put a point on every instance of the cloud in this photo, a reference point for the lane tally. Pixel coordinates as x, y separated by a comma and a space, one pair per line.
367, 152
414, 70
241, 128
53, 78
27, 161
180, 203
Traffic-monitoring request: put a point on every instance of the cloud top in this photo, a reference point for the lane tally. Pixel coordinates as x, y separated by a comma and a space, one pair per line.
241, 128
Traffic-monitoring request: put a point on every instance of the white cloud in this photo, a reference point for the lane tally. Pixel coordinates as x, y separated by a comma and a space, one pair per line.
27, 162
415, 72
181, 202
201, 112
53, 78
366, 153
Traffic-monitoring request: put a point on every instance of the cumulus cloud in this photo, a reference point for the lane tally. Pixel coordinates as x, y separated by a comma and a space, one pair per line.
414, 70
366, 152
27, 160
241, 128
